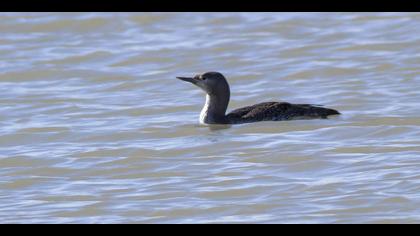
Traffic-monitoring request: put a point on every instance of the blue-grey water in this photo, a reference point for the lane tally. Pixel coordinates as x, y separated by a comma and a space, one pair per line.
94, 127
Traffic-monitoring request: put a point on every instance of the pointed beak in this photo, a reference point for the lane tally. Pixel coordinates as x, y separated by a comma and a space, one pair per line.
188, 79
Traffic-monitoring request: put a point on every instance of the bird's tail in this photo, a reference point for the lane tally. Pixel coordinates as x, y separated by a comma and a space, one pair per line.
325, 112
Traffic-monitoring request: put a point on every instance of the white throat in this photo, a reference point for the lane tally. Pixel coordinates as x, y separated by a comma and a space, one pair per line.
205, 111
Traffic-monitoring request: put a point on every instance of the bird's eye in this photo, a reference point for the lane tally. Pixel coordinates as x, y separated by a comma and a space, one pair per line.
203, 78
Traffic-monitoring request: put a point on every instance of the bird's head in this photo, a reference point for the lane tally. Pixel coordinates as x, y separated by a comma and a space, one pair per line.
213, 83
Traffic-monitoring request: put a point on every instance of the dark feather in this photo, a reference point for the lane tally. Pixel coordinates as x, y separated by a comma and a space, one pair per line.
278, 111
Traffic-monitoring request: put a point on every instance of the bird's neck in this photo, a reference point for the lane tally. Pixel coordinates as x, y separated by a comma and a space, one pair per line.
214, 109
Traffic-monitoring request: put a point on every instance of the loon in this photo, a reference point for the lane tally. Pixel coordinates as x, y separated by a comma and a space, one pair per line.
217, 99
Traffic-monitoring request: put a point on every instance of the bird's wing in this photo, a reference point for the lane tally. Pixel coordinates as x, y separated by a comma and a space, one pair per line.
264, 111
279, 111
259, 111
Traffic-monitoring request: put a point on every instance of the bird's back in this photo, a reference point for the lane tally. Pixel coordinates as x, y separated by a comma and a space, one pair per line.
278, 111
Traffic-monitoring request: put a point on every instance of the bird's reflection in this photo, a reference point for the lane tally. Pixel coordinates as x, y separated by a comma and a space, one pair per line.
214, 127
218, 127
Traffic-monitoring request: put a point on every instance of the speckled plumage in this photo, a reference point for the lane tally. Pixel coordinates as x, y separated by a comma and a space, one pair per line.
276, 111
217, 100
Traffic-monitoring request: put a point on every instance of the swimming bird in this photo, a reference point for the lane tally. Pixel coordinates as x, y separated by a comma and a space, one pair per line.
217, 100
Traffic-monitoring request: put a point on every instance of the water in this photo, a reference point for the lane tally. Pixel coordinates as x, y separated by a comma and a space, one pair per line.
94, 127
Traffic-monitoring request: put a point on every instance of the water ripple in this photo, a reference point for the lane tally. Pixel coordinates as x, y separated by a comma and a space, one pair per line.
94, 127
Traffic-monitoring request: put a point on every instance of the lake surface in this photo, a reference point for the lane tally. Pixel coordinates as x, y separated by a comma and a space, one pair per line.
94, 127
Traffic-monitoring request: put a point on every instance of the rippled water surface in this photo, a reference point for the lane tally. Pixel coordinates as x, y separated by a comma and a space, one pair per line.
94, 127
